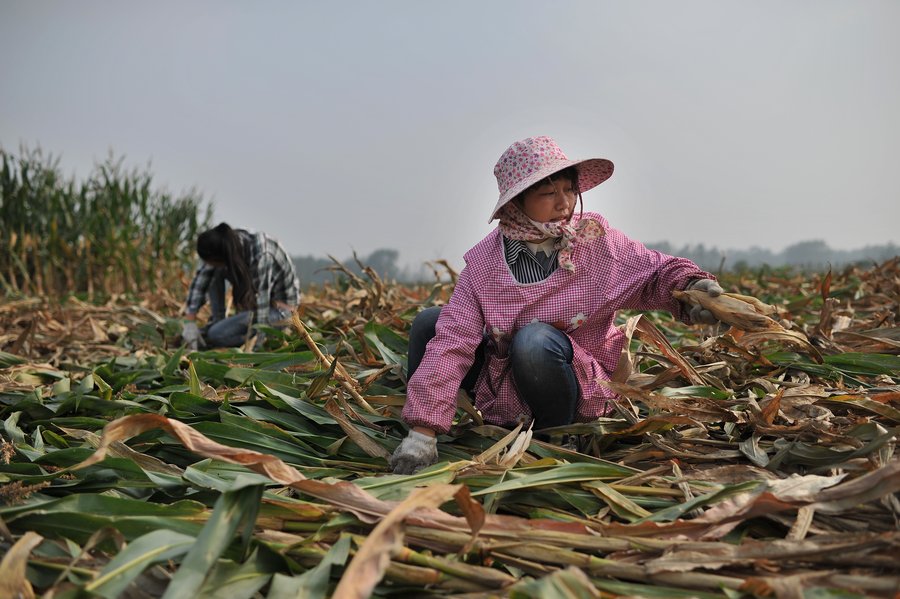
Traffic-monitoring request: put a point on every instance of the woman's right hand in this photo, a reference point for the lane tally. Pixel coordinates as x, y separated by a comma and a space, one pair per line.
418, 450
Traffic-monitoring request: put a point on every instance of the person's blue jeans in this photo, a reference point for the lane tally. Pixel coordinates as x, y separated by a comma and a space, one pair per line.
231, 331
541, 364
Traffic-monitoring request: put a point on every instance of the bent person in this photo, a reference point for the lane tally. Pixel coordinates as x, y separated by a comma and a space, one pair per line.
264, 287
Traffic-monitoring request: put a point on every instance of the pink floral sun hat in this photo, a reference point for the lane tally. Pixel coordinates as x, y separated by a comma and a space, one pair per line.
528, 161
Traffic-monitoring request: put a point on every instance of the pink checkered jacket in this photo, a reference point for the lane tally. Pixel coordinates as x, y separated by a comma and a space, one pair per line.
612, 272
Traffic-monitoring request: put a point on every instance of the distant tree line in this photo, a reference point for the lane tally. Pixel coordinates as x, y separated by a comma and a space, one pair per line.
807, 255
316, 270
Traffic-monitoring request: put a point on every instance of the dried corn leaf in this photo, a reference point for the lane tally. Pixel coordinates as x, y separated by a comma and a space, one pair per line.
370, 562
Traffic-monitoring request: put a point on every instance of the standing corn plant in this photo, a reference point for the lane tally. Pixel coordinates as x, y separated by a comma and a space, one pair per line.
113, 233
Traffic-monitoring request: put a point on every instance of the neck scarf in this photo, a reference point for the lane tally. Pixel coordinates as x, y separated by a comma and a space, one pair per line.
516, 225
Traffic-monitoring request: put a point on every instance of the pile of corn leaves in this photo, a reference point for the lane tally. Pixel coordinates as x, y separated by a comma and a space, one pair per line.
736, 464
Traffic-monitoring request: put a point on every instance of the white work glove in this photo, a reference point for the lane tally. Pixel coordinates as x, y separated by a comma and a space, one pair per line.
190, 334
699, 314
415, 452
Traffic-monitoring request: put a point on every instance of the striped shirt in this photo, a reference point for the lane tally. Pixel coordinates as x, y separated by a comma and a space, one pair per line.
270, 267
527, 266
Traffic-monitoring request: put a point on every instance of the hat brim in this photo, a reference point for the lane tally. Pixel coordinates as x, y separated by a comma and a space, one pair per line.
591, 173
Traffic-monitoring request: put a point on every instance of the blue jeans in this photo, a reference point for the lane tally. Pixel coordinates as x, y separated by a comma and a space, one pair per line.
541, 364
231, 331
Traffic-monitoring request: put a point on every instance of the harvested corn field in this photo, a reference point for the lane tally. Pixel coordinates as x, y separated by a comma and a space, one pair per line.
751, 461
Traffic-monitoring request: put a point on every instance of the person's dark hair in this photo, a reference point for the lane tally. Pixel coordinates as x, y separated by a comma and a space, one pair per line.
570, 174
222, 245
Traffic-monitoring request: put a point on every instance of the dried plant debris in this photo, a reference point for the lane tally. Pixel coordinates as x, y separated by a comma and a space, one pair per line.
752, 459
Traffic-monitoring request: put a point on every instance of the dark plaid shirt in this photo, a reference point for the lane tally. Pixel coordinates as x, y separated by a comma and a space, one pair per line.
272, 271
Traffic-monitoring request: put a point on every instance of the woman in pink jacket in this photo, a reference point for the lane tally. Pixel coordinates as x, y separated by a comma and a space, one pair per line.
529, 328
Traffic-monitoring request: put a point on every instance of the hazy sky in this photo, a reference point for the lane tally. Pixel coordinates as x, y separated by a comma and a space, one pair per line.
358, 125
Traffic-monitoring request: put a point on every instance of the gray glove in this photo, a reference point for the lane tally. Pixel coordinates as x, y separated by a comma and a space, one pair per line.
699, 314
190, 334
415, 452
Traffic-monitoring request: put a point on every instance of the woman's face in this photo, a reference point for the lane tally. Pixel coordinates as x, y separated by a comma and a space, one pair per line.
552, 200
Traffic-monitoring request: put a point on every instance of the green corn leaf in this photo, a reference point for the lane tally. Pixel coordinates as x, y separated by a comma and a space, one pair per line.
389, 344
173, 361
565, 473
236, 580
7, 360
105, 390
233, 509
622, 506
312, 584
671, 513
858, 363
570, 583
193, 379
152, 548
